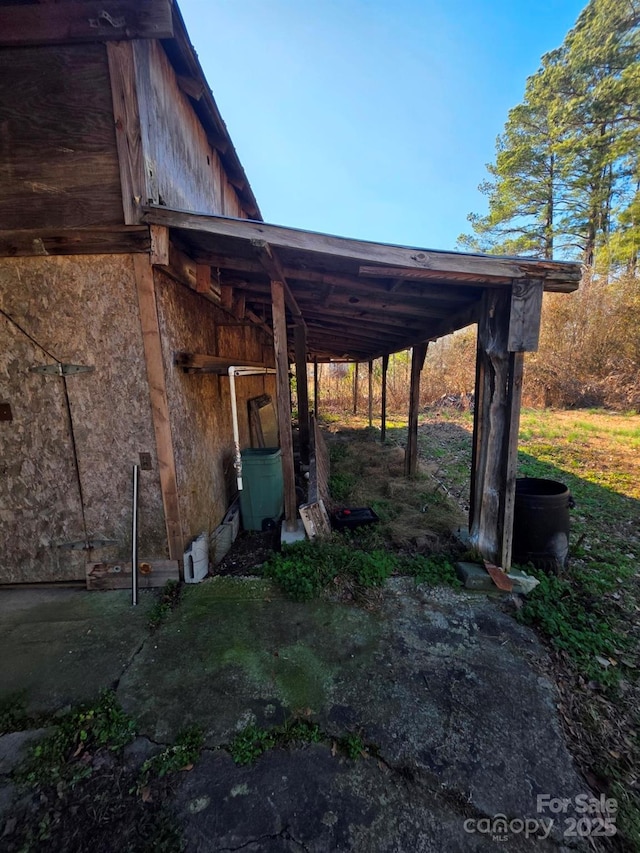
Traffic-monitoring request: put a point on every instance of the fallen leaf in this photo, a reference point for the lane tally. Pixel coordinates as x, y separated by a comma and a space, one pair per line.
186, 768
145, 794
605, 662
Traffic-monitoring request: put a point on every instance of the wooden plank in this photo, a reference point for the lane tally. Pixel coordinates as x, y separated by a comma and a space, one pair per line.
526, 311
383, 412
126, 115
316, 520
495, 442
199, 362
316, 388
355, 388
59, 161
514, 402
272, 266
283, 404
91, 20
328, 245
182, 169
159, 403
318, 465
411, 456
116, 575
114, 240
226, 297
302, 388
159, 245
370, 395
203, 278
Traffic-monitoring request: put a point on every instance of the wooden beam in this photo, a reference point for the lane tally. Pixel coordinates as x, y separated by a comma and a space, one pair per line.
403, 275
200, 362
355, 388
316, 389
159, 245
496, 419
526, 311
383, 412
203, 278
300, 341
271, 263
89, 241
226, 297
411, 456
159, 403
283, 403
126, 116
514, 402
370, 396
91, 20
366, 253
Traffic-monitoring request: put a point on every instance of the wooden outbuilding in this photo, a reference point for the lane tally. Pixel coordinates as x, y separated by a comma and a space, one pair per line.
135, 270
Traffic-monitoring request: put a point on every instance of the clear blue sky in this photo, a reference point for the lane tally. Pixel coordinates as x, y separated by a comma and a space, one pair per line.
371, 118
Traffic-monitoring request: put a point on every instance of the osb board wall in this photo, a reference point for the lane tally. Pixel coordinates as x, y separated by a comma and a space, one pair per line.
58, 161
182, 170
200, 405
80, 310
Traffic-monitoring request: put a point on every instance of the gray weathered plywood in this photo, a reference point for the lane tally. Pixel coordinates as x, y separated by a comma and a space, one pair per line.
524, 321
182, 169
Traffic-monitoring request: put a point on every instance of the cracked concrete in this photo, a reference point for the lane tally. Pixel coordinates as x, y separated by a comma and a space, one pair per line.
446, 686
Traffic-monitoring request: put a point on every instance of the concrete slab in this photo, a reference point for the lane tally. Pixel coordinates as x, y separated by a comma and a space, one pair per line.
449, 689
63, 646
289, 537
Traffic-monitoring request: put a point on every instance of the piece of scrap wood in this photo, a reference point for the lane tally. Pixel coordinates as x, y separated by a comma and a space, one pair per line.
499, 577
315, 519
115, 575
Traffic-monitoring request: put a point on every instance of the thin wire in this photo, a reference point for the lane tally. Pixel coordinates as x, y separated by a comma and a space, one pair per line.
74, 448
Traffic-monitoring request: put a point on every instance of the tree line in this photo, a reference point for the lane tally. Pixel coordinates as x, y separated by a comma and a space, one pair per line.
566, 178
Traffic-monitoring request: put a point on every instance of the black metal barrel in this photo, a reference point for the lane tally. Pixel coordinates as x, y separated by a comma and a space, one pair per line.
541, 523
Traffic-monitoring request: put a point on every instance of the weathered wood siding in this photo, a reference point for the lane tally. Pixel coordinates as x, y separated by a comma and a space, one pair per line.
80, 310
200, 405
182, 169
58, 162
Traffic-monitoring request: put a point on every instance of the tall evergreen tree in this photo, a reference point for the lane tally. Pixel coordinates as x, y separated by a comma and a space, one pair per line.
567, 172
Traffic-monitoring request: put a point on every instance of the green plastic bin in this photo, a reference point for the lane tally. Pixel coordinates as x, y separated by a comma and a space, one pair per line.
262, 494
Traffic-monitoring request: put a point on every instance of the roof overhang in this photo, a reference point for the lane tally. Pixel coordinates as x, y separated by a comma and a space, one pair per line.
358, 299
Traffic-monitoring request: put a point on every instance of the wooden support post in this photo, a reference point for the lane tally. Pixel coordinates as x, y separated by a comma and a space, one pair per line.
316, 388
159, 403
498, 396
418, 355
355, 388
383, 413
283, 403
370, 393
300, 342
159, 245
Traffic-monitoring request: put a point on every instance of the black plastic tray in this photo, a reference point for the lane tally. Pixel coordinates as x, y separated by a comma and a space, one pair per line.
349, 517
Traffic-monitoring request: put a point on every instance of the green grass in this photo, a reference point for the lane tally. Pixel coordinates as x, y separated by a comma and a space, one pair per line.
305, 569
59, 758
253, 741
